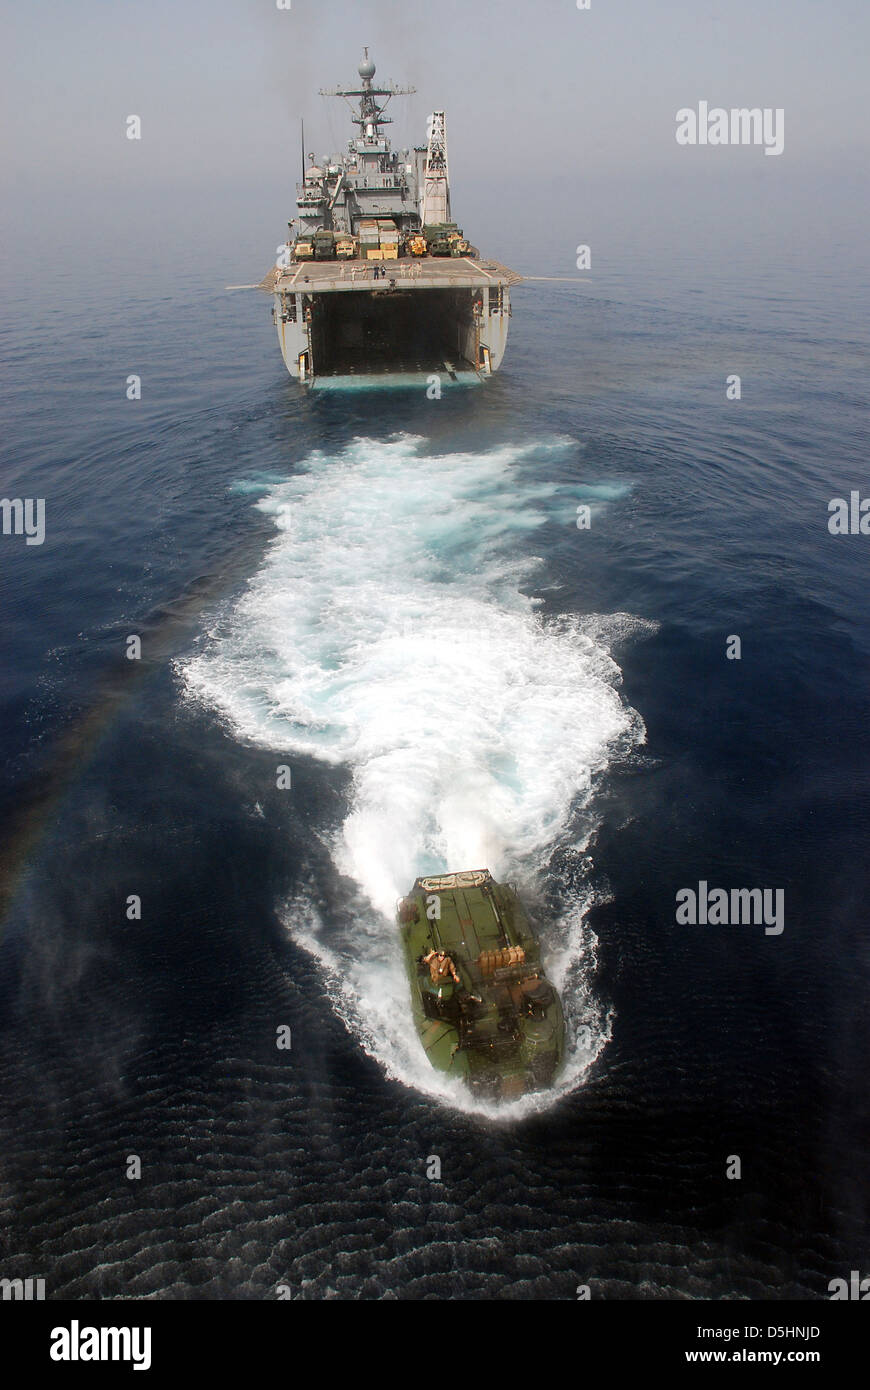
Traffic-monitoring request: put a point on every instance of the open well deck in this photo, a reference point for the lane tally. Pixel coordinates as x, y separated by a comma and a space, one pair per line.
427, 315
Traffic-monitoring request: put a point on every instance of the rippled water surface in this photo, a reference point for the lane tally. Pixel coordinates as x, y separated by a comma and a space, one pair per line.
391, 596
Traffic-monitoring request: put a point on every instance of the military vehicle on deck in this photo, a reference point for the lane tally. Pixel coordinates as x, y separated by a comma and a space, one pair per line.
482, 1005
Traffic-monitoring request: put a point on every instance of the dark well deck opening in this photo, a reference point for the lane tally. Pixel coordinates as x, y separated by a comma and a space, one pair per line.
382, 331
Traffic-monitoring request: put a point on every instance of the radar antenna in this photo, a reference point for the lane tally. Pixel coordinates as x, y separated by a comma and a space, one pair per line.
371, 112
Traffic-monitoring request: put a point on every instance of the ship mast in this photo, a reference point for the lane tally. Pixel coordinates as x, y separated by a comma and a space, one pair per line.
371, 112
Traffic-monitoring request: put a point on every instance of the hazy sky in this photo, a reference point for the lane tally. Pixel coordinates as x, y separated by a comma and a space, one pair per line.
529, 88
561, 127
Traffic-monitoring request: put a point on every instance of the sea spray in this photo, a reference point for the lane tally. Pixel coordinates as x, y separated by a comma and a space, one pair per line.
389, 630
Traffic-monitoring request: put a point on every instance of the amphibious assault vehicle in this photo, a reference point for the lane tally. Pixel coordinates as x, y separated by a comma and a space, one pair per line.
482, 1005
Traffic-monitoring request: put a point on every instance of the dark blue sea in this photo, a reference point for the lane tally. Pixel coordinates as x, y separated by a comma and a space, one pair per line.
390, 597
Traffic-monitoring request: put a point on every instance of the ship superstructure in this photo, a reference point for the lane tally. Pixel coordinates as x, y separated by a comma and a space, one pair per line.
378, 279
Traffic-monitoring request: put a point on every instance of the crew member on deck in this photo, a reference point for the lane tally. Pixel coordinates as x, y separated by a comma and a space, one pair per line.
440, 967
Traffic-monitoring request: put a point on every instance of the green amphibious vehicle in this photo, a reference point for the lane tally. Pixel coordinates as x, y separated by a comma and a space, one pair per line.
482, 1006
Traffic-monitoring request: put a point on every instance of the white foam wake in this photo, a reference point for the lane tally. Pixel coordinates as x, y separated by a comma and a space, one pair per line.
388, 631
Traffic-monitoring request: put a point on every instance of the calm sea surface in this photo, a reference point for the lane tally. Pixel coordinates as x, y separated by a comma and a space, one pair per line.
391, 597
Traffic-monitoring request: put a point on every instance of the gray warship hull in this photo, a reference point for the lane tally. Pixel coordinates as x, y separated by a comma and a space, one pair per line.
442, 317
379, 281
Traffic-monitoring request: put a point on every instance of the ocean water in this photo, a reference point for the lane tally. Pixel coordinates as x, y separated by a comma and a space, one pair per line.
391, 597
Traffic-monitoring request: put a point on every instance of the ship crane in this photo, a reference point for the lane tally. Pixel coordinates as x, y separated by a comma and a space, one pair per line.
335, 192
436, 180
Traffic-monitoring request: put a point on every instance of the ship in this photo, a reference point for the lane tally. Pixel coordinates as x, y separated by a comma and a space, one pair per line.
483, 1008
377, 279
